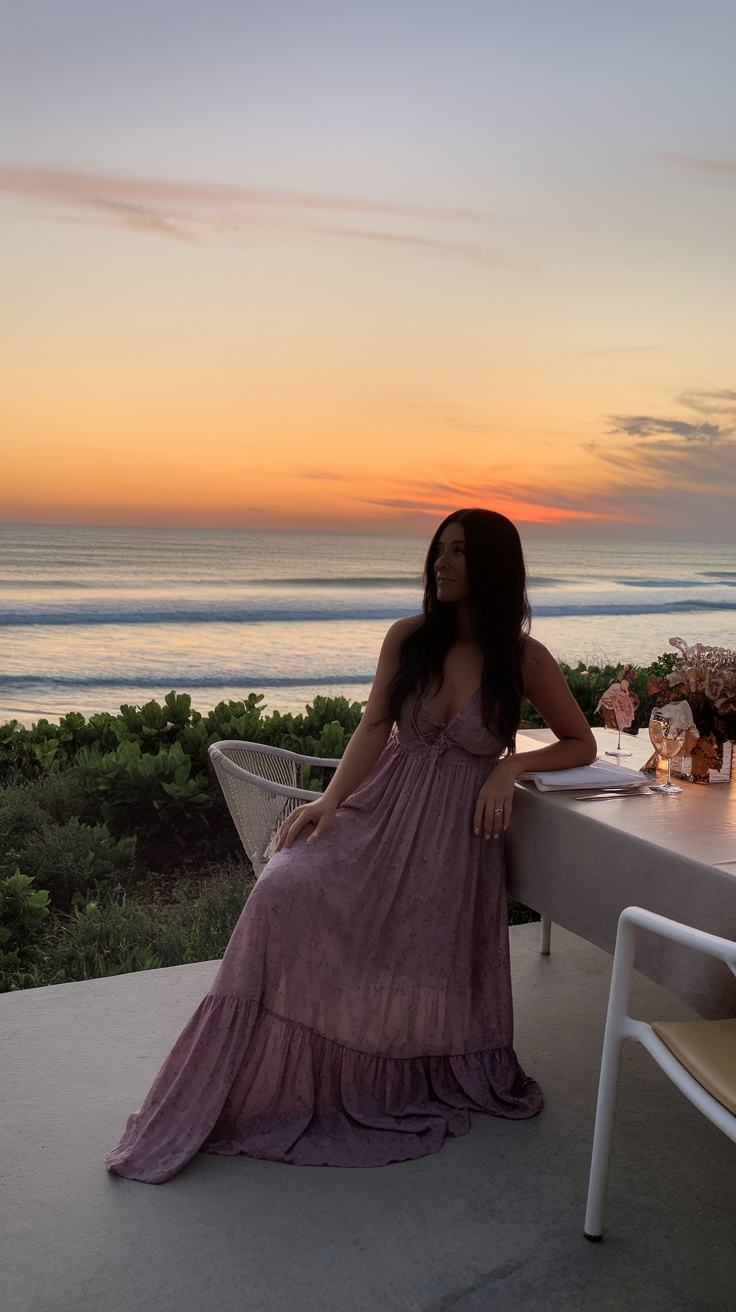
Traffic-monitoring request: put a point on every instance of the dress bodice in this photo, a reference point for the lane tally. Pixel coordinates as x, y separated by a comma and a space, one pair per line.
465, 739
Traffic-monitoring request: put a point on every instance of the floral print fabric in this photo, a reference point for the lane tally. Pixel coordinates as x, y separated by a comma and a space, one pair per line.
362, 1009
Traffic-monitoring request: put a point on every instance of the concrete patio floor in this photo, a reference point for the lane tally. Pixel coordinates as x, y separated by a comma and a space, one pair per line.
492, 1221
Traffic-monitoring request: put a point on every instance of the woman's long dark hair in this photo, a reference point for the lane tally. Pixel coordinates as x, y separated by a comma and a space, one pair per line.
501, 619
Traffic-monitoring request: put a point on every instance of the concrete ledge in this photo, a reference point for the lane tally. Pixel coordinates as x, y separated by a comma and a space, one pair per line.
492, 1221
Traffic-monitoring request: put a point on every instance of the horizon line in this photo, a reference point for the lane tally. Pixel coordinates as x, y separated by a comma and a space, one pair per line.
367, 533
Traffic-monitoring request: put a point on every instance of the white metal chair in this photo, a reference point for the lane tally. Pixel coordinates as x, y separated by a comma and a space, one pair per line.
261, 786
698, 1056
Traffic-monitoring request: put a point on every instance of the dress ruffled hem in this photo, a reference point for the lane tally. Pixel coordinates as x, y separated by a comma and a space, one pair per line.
241, 1079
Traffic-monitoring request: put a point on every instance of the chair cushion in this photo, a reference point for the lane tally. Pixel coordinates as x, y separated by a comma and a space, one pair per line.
707, 1049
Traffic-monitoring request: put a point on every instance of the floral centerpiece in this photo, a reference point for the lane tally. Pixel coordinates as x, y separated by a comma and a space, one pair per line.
705, 678
617, 705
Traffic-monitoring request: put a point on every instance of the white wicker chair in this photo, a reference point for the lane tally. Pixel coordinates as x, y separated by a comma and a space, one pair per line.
261, 786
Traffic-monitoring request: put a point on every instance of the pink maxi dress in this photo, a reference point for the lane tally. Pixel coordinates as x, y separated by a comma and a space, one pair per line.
362, 1009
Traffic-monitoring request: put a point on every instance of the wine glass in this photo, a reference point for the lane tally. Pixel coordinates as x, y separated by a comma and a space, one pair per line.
617, 751
668, 739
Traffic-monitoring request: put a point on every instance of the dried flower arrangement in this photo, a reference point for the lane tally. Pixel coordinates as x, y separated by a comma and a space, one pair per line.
618, 703
704, 677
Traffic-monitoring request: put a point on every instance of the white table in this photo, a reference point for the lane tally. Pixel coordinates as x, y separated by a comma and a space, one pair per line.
581, 862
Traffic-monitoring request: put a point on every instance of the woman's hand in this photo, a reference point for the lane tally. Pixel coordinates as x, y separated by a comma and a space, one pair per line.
495, 799
320, 813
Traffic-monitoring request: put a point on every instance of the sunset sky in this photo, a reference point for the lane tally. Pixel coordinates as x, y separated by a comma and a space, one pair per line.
298, 264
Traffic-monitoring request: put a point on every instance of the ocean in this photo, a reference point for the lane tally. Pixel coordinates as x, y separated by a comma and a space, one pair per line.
94, 617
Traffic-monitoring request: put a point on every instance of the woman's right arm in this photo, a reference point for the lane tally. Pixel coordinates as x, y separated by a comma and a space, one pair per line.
362, 751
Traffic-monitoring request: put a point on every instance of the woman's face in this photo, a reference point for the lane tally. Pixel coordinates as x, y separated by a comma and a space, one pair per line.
450, 569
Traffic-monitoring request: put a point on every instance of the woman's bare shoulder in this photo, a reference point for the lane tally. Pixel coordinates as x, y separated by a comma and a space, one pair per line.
389, 661
402, 628
537, 661
395, 639
533, 652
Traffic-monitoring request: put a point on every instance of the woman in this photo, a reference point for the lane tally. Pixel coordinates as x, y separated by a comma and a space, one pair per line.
362, 1009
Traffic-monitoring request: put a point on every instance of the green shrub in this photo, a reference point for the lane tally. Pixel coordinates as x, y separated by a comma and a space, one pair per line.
64, 858
74, 858
154, 726
324, 729
20, 814
116, 934
60, 794
147, 768
139, 792
22, 908
28, 754
57, 795
519, 914
156, 782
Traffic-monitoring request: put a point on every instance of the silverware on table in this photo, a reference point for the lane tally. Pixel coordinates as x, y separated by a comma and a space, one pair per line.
612, 792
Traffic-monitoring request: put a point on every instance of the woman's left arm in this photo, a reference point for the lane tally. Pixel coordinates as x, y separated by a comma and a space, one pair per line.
545, 686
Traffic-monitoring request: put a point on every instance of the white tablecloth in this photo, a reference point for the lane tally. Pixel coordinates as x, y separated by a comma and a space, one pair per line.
582, 862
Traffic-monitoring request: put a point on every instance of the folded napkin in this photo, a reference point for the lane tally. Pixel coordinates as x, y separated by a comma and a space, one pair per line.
598, 775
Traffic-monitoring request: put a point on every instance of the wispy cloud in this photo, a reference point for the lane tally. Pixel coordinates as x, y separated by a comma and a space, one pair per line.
60, 184
649, 426
668, 470
184, 210
465, 419
524, 501
320, 475
721, 402
692, 489
703, 164
143, 217
710, 403
592, 352
433, 245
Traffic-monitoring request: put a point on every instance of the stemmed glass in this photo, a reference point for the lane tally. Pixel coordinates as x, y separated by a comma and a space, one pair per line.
617, 751
668, 739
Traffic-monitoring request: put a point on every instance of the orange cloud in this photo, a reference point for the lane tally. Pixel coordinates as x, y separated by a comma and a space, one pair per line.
520, 501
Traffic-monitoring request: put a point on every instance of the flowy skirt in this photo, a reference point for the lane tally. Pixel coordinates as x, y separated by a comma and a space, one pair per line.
362, 1009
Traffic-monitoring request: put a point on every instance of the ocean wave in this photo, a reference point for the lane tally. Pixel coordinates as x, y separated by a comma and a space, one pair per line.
682, 607
542, 581
98, 584
681, 583
232, 614
328, 582
23, 617
380, 581
185, 681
